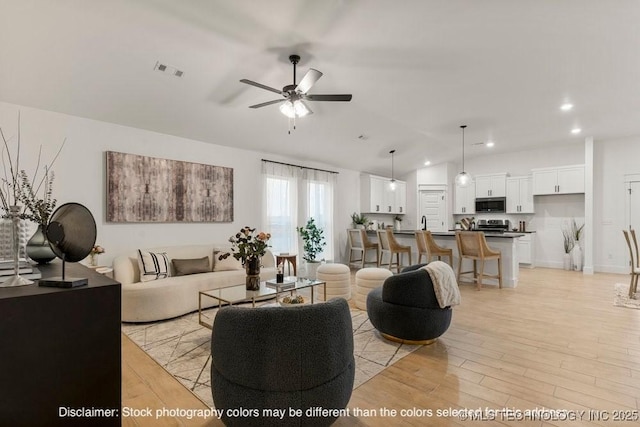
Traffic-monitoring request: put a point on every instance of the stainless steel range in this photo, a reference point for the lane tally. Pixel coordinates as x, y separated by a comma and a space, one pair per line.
493, 225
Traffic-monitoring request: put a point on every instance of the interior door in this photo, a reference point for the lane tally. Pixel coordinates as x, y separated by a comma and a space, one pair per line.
433, 206
634, 205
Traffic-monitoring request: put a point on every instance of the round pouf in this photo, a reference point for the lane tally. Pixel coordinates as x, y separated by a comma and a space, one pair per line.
368, 279
338, 279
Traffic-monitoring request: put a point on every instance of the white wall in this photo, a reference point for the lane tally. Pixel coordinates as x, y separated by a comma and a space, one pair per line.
612, 161
80, 177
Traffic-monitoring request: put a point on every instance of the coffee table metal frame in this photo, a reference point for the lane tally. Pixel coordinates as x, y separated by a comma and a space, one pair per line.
236, 294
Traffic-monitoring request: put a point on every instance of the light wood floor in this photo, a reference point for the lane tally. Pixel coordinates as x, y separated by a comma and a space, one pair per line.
556, 341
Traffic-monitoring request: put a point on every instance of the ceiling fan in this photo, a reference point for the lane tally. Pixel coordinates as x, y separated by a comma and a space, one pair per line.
294, 95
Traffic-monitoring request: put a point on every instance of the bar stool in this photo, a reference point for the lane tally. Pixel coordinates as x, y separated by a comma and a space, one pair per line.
473, 245
359, 243
633, 255
433, 250
388, 244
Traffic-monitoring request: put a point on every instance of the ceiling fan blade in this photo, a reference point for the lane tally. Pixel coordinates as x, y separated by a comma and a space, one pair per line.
309, 110
261, 86
264, 104
308, 80
344, 97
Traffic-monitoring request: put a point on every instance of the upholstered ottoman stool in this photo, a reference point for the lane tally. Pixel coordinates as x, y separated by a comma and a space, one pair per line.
338, 278
368, 279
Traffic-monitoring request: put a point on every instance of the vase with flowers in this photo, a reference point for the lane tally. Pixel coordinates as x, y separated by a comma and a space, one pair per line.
93, 255
249, 247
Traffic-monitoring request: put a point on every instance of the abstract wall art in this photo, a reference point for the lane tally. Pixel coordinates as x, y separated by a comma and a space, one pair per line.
148, 189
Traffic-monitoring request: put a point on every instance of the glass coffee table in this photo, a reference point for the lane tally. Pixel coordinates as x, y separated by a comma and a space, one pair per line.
237, 294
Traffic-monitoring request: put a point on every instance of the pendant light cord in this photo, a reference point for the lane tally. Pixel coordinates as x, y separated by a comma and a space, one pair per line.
463, 126
391, 152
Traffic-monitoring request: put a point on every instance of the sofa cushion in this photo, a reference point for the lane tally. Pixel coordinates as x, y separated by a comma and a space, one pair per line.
182, 267
222, 263
153, 265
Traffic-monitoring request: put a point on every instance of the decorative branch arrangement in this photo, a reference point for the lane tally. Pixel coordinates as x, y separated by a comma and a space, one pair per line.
16, 187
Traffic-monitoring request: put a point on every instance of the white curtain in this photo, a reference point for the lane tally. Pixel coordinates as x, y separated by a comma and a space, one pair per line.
292, 195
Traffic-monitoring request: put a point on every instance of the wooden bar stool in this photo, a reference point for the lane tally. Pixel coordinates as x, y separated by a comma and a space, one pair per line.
360, 243
389, 245
473, 245
433, 250
633, 255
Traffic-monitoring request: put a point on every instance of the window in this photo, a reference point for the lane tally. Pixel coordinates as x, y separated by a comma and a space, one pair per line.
292, 195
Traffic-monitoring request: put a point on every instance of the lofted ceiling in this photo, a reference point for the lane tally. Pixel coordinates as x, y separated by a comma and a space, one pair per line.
417, 70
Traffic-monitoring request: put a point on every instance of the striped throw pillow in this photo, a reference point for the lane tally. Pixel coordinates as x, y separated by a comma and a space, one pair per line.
153, 266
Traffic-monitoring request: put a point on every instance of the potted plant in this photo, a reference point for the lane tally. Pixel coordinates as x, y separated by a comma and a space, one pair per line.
576, 251
568, 246
359, 220
313, 239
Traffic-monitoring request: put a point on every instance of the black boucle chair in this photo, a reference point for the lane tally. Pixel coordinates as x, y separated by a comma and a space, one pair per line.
405, 308
281, 358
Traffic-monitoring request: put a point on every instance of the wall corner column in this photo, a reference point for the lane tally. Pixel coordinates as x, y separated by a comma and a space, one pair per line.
588, 243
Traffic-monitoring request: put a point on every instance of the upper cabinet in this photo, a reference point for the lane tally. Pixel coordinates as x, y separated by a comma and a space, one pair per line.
493, 185
519, 195
560, 180
376, 195
465, 199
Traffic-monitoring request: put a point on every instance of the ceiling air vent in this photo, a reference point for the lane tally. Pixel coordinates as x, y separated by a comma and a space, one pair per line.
168, 69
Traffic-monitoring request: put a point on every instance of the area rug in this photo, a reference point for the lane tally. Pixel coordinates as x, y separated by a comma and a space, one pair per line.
622, 299
182, 347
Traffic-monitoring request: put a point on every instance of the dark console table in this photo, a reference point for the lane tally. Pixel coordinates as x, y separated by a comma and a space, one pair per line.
60, 352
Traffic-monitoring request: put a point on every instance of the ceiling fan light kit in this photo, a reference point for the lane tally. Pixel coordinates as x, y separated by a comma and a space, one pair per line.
463, 179
294, 95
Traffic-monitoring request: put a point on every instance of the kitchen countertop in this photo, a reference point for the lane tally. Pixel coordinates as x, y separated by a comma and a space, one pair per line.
505, 235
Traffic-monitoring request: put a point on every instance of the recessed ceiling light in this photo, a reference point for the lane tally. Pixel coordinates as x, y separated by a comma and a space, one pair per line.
490, 144
567, 106
427, 163
576, 131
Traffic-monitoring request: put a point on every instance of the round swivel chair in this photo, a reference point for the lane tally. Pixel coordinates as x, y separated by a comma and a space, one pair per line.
285, 358
405, 308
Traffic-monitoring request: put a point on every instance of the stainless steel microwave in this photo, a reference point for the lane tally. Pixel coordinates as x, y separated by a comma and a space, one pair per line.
491, 204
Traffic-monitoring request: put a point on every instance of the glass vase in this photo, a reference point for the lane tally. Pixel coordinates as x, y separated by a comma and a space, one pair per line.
38, 248
252, 267
16, 279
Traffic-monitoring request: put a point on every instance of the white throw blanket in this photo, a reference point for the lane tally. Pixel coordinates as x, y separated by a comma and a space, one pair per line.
444, 283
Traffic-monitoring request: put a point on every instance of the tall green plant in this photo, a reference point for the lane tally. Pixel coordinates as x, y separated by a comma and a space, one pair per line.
313, 239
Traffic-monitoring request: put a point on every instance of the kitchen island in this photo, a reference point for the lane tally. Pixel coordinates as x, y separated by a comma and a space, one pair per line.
506, 243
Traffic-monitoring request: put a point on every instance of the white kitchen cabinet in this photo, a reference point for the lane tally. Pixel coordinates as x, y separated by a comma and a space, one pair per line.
560, 180
376, 195
493, 185
465, 199
519, 195
526, 250
400, 199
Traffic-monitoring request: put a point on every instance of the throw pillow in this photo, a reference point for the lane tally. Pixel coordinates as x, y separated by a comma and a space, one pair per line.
153, 266
225, 264
182, 267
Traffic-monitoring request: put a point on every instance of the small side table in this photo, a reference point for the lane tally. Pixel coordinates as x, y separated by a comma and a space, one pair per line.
291, 261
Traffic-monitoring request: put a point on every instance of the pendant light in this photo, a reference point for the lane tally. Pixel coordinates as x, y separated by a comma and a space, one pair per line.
392, 183
463, 179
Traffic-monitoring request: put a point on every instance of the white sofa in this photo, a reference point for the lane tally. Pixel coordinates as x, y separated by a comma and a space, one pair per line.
175, 295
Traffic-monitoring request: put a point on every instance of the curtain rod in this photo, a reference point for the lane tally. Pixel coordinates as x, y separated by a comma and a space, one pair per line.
298, 166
